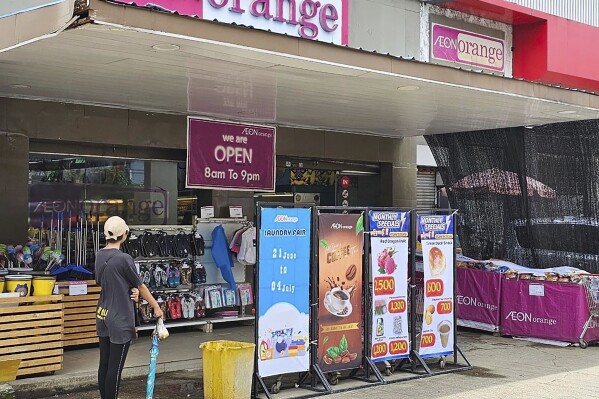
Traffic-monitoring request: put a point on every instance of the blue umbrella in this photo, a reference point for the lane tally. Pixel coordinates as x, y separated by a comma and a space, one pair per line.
154, 351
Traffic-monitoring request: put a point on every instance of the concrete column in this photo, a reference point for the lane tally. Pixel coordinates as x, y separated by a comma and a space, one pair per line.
164, 175
404, 171
14, 187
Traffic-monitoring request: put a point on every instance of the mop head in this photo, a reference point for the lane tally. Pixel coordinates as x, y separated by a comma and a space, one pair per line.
161, 330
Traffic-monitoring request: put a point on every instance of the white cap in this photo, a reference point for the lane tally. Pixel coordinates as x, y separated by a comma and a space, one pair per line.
115, 227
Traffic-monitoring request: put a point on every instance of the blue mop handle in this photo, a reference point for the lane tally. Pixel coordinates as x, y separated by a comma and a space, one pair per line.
152, 371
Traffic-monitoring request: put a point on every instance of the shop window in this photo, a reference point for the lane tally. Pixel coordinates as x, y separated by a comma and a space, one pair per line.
142, 192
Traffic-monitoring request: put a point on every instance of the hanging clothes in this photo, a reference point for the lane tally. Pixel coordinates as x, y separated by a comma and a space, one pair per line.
222, 256
247, 250
236, 240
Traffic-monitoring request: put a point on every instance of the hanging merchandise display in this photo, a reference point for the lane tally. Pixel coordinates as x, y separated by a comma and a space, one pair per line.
340, 306
438, 330
283, 291
389, 232
221, 255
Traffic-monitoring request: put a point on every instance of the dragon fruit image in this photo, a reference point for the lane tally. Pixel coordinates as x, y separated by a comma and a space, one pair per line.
390, 266
385, 261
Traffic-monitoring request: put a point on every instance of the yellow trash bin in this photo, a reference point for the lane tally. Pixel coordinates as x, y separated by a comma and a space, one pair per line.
228, 368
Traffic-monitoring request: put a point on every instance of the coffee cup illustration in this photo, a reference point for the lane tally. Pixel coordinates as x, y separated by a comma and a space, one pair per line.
337, 299
444, 329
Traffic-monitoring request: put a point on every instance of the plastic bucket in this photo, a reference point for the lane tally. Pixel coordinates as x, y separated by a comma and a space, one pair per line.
20, 283
43, 285
9, 370
228, 369
1, 285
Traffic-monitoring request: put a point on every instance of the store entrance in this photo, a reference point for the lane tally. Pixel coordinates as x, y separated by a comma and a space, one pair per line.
325, 183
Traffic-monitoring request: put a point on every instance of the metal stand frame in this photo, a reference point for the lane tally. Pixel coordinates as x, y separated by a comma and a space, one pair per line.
315, 379
315, 372
417, 364
367, 372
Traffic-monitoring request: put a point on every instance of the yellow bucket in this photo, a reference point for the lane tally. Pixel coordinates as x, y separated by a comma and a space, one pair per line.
43, 285
9, 370
228, 368
1, 285
20, 283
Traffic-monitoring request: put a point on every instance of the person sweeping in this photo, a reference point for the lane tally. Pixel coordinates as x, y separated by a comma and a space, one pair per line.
115, 313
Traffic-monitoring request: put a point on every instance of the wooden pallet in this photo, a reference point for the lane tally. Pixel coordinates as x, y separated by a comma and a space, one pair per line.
80, 315
31, 331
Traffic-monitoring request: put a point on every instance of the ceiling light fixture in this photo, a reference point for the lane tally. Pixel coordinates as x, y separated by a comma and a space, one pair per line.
165, 47
358, 172
408, 88
20, 86
567, 112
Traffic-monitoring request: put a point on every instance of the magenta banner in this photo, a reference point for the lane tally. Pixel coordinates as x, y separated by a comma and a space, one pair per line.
478, 296
230, 155
463, 47
548, 311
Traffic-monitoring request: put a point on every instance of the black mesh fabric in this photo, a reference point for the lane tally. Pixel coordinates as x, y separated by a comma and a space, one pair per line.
528, 195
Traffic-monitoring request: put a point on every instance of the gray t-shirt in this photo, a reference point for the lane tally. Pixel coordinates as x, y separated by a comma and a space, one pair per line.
115, 314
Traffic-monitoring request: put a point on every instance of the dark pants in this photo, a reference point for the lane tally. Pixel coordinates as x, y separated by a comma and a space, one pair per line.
112, 361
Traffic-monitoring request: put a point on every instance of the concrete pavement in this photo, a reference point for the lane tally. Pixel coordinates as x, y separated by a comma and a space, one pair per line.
504, 368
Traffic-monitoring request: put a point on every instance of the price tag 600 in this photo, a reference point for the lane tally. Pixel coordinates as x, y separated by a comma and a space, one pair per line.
434, 288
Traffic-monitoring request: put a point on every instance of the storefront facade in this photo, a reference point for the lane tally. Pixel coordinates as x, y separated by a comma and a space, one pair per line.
341, 109
96, 99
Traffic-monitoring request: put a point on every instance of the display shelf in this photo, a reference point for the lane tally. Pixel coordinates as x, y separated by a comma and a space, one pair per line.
215, 320
161, 259
80, 314
31, 331
169, 290
195, 322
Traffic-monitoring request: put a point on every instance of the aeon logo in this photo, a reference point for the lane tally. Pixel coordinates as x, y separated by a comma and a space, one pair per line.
470, 301
250, 131
286, 219
529, 318
339, 226
519, 316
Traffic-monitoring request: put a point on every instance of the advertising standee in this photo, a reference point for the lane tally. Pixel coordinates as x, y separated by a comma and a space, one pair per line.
340, 298
436, 235
283, 291
389, 233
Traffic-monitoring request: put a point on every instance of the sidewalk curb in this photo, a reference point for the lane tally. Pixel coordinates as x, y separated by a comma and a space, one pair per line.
6, 391
68, 383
